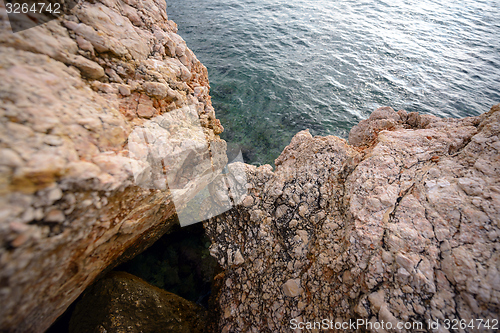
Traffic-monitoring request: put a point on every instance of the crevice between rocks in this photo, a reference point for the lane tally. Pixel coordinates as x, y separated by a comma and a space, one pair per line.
178, 262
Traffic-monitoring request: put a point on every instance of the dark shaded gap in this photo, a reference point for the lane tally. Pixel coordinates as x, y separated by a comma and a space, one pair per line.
178, 262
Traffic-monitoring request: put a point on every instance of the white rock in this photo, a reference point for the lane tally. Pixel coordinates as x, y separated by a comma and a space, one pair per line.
292, 288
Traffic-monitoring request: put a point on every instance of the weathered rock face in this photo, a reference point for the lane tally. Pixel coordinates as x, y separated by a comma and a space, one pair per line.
121, 302
72, 91
404, 230
401, 225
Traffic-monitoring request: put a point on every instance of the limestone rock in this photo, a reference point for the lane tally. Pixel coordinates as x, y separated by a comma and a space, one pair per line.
121, 302
71, 198
291, 288
404, 227
385, 118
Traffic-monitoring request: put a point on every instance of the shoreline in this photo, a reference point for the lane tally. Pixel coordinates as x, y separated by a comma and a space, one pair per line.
107, 127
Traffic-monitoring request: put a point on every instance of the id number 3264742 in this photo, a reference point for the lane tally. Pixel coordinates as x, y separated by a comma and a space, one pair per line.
455, 324
26, 8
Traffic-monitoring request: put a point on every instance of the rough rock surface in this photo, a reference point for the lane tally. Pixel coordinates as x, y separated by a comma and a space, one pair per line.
121, 302
71, 92
403, 229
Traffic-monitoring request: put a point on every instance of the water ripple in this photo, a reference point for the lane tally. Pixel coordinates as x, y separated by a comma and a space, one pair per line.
277, 67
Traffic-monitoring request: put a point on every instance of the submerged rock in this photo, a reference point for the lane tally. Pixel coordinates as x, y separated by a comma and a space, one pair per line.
403, 227
121, 302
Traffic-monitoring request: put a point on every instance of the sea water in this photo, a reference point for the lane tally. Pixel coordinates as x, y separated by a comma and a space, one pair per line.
277, 67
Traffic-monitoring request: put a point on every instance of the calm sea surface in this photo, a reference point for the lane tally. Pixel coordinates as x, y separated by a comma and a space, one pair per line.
278, 67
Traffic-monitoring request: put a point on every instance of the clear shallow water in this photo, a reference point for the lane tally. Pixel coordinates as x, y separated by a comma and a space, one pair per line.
277, 67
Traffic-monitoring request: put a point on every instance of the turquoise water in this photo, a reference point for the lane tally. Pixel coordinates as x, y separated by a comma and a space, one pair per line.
278, 67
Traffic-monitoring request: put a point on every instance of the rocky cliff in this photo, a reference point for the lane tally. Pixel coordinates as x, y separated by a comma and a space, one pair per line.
399, 226
75, 194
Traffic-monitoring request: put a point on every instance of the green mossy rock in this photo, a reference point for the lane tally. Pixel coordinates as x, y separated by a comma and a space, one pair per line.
123, 303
